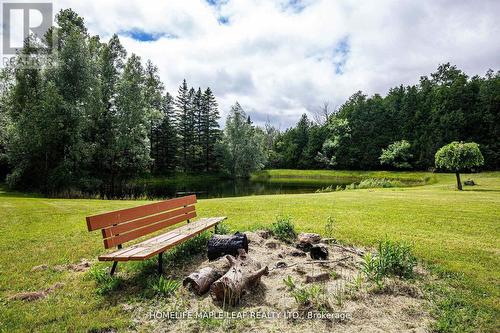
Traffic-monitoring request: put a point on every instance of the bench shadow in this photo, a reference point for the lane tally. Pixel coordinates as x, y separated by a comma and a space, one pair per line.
135, 282
136, 278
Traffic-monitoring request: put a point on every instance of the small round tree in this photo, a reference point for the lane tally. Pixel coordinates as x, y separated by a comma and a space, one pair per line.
397, 155
458, 157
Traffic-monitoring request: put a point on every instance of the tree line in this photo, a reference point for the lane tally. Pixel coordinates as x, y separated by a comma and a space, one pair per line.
402, 130
93, 118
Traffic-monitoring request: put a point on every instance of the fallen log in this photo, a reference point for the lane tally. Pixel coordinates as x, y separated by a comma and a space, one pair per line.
220, 245
244, 274
200, 281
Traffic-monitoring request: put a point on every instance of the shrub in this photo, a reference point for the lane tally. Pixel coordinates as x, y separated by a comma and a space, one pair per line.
397, 155
283, 229
398, 258
365, 183
393, 258
164, 287
378, 183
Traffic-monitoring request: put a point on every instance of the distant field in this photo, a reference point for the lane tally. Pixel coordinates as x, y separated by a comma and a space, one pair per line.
457, 233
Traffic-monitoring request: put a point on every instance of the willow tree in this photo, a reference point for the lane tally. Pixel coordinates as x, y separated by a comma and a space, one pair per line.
459, 157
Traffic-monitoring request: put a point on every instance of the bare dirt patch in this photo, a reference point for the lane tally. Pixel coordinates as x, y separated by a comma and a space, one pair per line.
341, 301
30, 296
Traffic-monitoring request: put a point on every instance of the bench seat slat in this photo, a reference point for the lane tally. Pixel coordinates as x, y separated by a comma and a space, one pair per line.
134, 234
155, 245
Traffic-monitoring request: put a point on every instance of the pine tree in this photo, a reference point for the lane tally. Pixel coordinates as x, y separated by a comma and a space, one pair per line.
209, 129
153, 96
198, 156
182, 105
165, 145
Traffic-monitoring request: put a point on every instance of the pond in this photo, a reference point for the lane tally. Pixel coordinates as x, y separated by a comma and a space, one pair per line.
219, 188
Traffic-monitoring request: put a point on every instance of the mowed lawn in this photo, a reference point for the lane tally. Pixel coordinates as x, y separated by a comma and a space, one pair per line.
457, 233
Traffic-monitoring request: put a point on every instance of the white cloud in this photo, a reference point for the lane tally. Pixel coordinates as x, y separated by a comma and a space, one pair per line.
280, 60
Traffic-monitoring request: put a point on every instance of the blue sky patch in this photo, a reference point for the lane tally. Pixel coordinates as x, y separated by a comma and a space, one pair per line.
341, 54
296, 6
144, 36
216, 3
223, 20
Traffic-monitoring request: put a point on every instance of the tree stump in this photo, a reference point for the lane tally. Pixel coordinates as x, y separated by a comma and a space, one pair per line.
219, 245
244, 274
319, 252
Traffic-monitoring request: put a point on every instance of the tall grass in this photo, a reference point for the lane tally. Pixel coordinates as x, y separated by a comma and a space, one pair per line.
393, 258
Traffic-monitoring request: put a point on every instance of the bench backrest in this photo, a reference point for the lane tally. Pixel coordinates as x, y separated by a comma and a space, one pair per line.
124, 225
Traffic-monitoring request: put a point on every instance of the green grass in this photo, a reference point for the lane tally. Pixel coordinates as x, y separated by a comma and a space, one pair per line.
456, 233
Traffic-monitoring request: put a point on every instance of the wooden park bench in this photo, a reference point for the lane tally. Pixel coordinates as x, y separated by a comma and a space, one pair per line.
130, 224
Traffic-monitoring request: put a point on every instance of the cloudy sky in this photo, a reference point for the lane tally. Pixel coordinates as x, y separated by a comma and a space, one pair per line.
281, 58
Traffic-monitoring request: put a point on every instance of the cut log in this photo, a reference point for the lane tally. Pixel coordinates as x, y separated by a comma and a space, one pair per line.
244, 274
319, 252
200, 281
307, 240
220, 245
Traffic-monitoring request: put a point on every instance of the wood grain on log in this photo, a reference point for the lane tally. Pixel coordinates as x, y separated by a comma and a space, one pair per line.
200, 281
244, 274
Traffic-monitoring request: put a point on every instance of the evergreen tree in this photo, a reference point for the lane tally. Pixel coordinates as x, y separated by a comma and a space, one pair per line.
209, 130
165, 145
183, 121
197, 147
153, 97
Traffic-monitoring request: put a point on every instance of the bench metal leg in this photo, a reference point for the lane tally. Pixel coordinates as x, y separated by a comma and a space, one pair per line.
113, 268
160, 263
